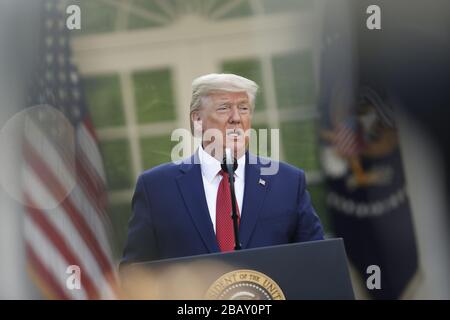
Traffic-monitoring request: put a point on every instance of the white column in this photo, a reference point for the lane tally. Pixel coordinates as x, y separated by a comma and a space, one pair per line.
427, 195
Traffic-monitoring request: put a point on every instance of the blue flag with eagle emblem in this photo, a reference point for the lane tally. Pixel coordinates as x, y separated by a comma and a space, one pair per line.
367, 198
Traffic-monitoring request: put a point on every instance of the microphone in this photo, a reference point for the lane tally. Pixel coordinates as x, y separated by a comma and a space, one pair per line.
229, 165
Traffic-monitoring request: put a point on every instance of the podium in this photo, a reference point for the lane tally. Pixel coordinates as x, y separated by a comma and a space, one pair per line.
307, 270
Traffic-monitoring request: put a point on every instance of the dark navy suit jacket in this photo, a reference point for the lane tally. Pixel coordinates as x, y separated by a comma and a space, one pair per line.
171, 218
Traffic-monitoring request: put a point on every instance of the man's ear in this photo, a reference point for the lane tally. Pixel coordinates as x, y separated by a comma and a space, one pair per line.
196, 123
195, 116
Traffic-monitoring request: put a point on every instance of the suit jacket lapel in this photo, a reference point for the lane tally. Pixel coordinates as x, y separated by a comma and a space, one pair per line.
191, 187
254, 194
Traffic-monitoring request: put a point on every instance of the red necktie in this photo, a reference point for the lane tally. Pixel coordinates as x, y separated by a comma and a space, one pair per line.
224, 222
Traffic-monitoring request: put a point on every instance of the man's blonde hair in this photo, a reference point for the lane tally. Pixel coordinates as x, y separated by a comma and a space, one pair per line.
204, 85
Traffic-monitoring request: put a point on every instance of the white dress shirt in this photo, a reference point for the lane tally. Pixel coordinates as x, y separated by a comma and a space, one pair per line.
210, 168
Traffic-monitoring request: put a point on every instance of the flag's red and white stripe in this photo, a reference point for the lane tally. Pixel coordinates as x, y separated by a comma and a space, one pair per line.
348, 141
74, 232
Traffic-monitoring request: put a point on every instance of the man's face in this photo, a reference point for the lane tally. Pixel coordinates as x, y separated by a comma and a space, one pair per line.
230, 114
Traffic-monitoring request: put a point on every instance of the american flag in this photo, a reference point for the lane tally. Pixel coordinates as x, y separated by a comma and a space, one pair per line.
63, 185
348, 139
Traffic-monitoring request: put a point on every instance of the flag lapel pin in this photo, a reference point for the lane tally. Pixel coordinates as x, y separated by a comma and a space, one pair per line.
262, 182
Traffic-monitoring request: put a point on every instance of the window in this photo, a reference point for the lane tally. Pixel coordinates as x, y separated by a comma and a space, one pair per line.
154, 96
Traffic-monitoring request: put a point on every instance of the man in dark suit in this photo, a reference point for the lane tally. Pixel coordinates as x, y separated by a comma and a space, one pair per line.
184, 209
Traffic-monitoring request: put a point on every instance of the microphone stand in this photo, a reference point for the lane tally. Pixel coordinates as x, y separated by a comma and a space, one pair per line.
230, 166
